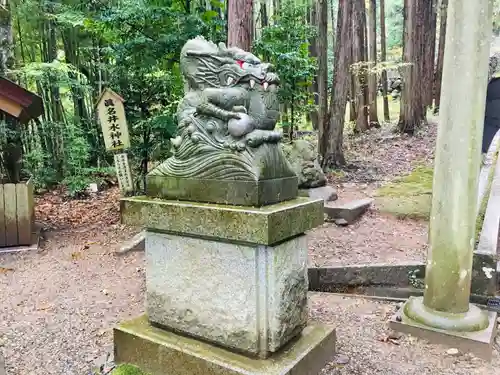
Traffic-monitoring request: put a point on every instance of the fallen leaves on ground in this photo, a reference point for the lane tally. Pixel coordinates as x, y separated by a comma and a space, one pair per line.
56, 211
380, 154
5, 269
392, 337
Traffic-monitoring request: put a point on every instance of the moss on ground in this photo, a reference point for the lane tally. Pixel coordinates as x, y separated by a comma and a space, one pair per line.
409, 196
128, 370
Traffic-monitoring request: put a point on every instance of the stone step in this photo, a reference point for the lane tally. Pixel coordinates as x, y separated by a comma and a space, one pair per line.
349, 212
327, 193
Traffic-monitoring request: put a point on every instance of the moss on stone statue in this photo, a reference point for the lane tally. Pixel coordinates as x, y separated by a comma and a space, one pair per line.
128, 370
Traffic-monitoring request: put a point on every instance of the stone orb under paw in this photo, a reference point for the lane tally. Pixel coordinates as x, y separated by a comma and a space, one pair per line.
239, 127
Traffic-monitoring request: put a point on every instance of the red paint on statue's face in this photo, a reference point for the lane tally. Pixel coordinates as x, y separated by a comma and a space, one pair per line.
240, 63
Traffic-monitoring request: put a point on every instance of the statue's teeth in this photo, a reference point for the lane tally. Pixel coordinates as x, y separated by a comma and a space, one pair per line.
265, 85
252, 83
230, 81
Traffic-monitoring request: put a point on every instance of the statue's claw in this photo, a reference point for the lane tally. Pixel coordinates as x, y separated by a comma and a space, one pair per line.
258, 137
240, 109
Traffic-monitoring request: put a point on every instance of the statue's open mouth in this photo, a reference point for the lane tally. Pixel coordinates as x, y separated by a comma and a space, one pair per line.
252, 81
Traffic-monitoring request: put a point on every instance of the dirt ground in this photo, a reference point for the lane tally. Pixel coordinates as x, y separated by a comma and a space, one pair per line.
59, 304
375, 158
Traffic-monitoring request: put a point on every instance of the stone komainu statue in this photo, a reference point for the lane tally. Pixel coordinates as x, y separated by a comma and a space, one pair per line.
226, 123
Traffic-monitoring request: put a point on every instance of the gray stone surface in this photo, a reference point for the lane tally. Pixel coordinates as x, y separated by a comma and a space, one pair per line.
136, 243
350, 212
226, 125
485, 259
248, 298
234, 192
365, 275
303, 157
478, 343
341, 222
263, 225
486, 168
327, 193
160, 352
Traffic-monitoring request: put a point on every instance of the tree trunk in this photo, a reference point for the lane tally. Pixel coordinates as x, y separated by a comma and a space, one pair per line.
412, 113
372, 57
313, 52
430, 52
358, 25
330, 144
322, 50
240, 24
383, 56
439, 70
264, 18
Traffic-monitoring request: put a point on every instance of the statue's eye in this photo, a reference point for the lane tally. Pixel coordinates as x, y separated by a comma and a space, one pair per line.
240, 63
245, 65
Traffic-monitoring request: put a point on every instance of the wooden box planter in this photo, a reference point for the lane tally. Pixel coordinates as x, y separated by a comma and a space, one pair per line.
17, 214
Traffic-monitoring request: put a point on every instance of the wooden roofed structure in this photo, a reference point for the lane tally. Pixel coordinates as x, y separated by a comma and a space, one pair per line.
19, 102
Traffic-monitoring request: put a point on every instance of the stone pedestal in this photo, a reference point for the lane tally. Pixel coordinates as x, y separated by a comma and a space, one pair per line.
232, 277
160, 352
247, 297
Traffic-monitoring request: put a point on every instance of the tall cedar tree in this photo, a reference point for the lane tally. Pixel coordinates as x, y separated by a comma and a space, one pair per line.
322, 43
442, 37
383, 56
313, 52
372, 56
359, 47
412, 107
240, 24
330, 142
430, 19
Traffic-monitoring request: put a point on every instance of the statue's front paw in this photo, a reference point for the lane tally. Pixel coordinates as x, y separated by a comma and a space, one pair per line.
240, 109
235, 146
254, 139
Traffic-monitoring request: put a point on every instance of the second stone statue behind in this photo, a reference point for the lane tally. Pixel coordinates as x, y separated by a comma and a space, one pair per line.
226, 150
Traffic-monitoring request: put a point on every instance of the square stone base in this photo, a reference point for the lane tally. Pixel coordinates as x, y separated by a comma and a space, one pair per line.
245, 297
258, 225
159, 352
236, 192
478, 343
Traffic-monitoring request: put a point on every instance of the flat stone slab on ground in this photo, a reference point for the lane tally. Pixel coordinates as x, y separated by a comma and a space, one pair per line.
327, 193
136, 243
350, 212
138, 343
35, 240
478, 343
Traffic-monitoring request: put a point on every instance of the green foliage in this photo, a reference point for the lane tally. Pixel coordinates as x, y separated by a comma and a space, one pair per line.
69, 50
395, 23
144, 40
127, 370
285, 45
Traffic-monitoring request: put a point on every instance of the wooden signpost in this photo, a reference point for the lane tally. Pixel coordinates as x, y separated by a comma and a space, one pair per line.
111, 114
